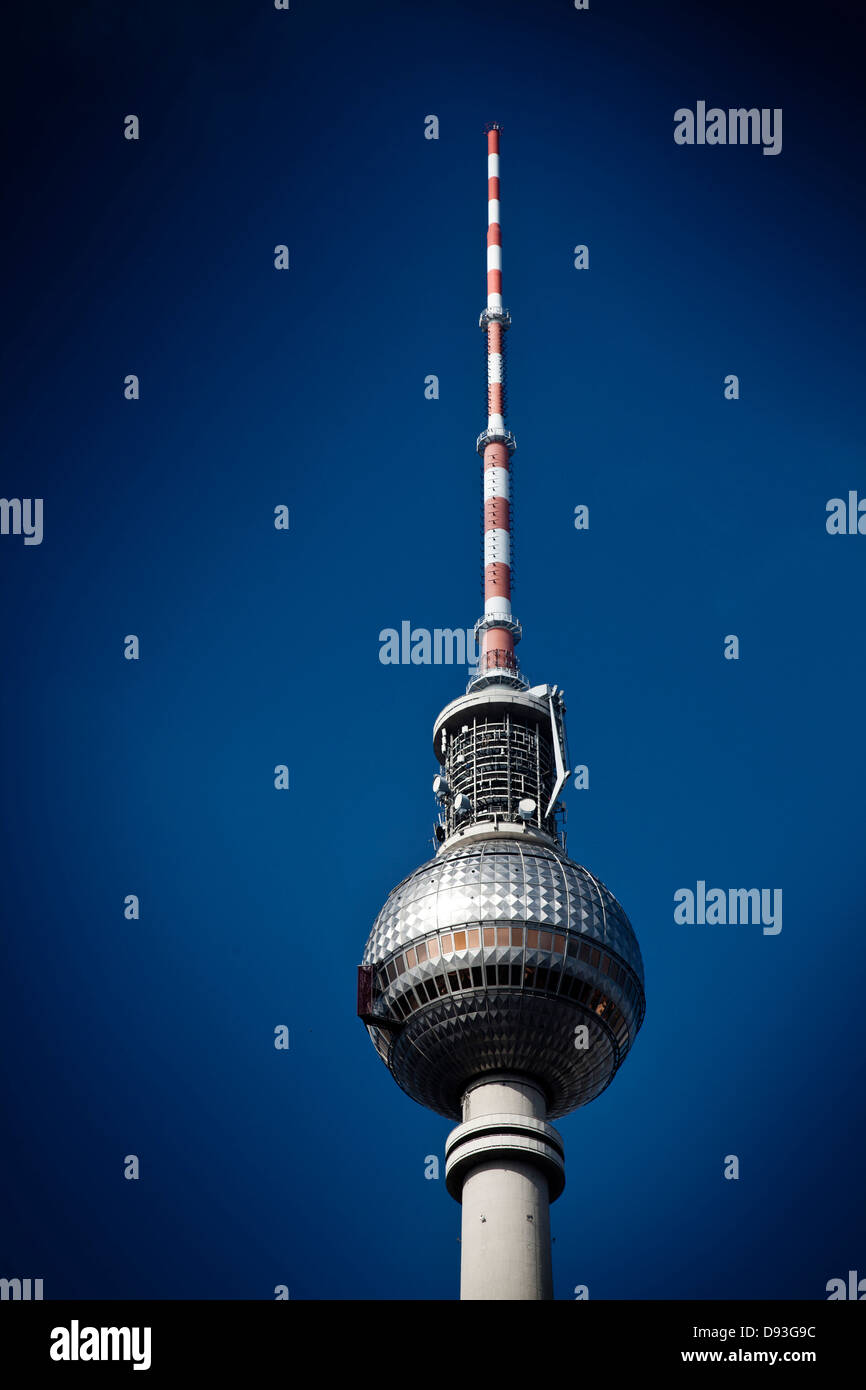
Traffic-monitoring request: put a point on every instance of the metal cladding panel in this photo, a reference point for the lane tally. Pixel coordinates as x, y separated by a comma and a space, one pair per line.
500, 881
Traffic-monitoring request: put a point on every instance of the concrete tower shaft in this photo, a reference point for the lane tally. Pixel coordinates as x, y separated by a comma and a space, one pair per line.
505, 1165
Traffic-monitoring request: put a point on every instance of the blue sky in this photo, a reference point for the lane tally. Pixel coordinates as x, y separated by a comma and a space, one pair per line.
707, 517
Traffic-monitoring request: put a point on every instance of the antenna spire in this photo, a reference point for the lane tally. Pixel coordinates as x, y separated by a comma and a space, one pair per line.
498, 629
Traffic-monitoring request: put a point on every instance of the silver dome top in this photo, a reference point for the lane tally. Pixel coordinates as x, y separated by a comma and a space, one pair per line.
502, 881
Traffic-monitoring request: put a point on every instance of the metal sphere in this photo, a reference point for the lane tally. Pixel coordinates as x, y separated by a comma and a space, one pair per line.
504, 955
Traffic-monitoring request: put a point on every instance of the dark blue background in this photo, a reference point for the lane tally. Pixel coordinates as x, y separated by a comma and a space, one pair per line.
259, 647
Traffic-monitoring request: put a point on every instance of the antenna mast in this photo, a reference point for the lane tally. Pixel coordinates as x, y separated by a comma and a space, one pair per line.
498, 630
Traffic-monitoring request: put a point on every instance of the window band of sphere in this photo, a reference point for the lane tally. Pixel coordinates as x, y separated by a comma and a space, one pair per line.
541, 974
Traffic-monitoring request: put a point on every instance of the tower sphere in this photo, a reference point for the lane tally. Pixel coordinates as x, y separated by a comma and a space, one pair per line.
503, 955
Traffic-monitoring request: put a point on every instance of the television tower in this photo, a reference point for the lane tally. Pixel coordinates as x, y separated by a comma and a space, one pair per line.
502, 984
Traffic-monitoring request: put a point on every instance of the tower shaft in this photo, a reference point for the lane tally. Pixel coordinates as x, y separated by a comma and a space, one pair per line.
504, 1163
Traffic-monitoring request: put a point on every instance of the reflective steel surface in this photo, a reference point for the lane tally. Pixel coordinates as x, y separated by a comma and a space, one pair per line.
504, 955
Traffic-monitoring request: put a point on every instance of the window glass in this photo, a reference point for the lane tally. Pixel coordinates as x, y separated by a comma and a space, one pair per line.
433, 948
558, 943
489, 936
517, 936
474, 938
411, 958
531, 937
447, 947
460, 941
544, 940
421, 949
503, 936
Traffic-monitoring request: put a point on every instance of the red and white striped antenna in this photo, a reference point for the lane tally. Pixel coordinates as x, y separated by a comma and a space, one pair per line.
498, 630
